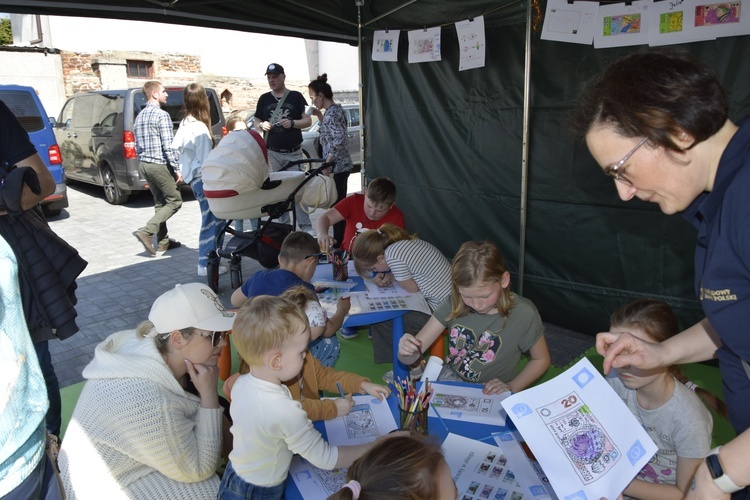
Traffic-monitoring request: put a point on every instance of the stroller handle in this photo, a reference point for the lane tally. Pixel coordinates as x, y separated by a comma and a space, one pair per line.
309, 160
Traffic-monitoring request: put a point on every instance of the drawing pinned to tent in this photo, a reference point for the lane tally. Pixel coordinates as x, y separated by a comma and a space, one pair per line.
622, 25
471, 43
711, 19
570, 22
424, 45
385, 45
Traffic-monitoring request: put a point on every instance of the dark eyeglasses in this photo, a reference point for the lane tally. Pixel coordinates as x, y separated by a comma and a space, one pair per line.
614, 170
216, 337
316, 255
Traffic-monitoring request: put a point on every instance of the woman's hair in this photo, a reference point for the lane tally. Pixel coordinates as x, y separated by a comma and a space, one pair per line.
147, 330
372, 243
265, 323
195, 104
397, 468
320, 86
655, 95
477, 263
657, 320
233, 120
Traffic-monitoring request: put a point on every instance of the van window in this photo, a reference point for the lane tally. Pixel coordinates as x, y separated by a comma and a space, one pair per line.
353, 117
22, 105
174, 106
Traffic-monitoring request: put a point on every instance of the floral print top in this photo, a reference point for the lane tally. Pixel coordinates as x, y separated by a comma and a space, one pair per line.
334, 139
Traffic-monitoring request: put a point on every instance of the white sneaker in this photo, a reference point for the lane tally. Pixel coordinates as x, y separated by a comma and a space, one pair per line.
202, 271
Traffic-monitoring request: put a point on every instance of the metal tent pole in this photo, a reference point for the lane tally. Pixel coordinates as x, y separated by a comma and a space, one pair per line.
525, 150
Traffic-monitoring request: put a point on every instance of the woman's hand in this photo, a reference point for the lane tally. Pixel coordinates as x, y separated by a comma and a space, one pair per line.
325, 241
703, 486
379, 391
623, 349
205, 379
409, 346
344, 405
495, 386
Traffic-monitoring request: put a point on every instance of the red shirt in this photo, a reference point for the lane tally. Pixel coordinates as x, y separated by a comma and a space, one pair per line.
352, 208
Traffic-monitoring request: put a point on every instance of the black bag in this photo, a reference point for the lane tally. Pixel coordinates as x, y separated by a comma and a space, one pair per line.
267, 246
318, 147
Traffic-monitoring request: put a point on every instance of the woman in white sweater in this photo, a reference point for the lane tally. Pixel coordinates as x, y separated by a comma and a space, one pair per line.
148, 423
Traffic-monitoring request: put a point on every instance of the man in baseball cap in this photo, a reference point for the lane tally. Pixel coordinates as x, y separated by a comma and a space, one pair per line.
276, 69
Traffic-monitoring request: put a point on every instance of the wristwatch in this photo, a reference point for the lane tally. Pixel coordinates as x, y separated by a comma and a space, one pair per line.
721, 480
292, 123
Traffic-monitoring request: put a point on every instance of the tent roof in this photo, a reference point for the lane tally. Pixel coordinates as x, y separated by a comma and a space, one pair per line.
331, 20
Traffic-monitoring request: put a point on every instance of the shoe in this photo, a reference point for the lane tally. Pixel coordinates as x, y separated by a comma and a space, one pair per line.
203, 270
414, 374
171, 244
369, 333
349, 333
146, 240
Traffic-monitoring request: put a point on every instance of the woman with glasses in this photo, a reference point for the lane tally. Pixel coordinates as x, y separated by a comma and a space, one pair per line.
659, 125
148, 423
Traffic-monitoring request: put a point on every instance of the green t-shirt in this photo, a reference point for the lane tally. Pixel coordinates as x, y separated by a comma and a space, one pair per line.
486, 346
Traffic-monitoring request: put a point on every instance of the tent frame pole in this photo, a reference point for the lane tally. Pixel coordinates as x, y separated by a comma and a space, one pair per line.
525, 152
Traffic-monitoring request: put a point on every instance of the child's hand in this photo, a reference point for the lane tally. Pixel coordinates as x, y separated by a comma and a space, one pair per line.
383, 279
343, 305
379, 391
409, 346
344, 405
495, 386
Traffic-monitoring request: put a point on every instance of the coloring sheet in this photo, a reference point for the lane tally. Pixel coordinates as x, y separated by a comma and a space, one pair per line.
570, 22
622, 25
467, 404
369, 419
364, 303
393, 289
585, 438
385, 45
471, 43
313, 482
711, 19
483, 471
516, 450
669, 22
424, 45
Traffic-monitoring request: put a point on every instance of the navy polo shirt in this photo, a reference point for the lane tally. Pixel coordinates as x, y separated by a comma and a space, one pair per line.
722, 268
272, 282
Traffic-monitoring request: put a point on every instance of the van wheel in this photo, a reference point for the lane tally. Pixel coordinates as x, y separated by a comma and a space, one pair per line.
112, 191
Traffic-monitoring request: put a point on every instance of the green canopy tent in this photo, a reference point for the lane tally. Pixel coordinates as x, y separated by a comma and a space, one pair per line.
484, 153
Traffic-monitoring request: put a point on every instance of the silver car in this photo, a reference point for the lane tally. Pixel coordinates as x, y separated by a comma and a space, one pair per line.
353, 127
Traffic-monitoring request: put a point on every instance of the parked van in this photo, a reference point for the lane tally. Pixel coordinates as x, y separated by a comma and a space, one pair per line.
97, 140
25, 104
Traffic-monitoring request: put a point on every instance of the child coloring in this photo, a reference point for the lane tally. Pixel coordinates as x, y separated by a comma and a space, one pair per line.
272, 334
489, 326
663, 402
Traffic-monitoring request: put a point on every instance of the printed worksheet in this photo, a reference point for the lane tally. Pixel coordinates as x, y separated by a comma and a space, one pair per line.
313, 482
573, 22
471, 43
484, 471
369, 419
467, 404
424, 45
516, 450
585, 438
385, 45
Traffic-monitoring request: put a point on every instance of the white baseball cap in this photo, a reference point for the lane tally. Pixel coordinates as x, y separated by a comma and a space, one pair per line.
190, 305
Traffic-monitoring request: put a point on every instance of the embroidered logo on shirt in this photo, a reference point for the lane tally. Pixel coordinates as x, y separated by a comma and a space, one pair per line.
717, 295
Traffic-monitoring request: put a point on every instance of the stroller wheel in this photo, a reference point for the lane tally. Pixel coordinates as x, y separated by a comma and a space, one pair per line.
212, 271
235, 271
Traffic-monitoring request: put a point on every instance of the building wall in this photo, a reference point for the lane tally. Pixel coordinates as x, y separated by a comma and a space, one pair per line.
35, 68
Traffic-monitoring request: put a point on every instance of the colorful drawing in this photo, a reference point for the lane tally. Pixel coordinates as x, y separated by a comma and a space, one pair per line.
670, 22
717, 13
360, 423
622, 25
578, 432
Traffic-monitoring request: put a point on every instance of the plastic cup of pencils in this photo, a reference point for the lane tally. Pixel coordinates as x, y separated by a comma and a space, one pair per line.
340, 263
415, 420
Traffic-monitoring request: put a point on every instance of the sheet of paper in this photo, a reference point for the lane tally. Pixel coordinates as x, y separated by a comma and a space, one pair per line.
669, 22
363, 303
482, 470
424, 45
389, 290
516, 450
385, 45
622, 25
467, 404
313, 482
369, 419
586, 439
570, 22
711, 19
471, 43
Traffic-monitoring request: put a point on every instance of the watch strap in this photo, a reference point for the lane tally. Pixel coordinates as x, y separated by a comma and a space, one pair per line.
721, 479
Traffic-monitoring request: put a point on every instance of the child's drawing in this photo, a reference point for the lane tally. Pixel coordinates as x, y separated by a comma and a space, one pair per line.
463, 403
360, 423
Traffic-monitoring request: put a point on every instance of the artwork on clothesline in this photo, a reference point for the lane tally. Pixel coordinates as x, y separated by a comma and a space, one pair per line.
711, 19
471, 43
622, 25
585, 438
570, 22
385, 45
424, 45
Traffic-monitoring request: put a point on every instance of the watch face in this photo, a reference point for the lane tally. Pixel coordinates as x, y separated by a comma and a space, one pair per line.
714, 466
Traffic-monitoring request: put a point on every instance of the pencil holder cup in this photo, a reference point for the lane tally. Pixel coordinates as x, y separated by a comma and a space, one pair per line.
340, 263
414, 420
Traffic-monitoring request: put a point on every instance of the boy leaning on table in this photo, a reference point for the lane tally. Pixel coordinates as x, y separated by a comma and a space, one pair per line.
360, 212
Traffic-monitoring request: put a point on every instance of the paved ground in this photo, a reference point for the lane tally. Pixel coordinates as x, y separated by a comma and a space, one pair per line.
116, 290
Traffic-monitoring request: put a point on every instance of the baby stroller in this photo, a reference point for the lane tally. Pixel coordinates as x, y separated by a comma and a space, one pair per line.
238, 185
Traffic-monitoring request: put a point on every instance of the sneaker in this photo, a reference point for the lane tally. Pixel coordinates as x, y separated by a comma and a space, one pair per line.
349, 333
171, 244
203, 271
146, 240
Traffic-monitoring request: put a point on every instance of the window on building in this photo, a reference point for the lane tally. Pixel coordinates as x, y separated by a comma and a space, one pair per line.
140, 69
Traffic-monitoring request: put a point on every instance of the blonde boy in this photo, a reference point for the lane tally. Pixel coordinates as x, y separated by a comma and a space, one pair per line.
272, 334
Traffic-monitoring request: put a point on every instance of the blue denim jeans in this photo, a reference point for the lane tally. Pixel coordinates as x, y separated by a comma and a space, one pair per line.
233, 487
41, 484
54, 412
276, 161
326, 350
211, 227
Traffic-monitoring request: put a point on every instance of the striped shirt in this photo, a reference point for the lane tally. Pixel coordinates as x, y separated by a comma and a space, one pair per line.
426, 265
153, 137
